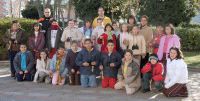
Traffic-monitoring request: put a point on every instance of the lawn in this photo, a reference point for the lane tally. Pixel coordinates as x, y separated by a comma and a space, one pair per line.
192, 59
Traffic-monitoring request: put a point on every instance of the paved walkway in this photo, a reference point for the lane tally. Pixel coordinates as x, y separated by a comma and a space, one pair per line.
10, 90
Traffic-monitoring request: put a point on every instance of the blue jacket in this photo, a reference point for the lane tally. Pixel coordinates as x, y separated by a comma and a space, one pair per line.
106, 60
29, 61
86, 56
63, 68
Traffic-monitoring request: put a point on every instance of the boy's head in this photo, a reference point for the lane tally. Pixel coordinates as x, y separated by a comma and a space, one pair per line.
99, 21
115, 25
110, 46
153, 59
23, 48
61, 51
88, 43
74, 45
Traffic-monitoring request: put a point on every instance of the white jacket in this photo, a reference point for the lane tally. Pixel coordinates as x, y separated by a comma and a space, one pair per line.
177, 72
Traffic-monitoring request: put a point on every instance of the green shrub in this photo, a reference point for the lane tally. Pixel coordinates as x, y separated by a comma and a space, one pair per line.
5, 23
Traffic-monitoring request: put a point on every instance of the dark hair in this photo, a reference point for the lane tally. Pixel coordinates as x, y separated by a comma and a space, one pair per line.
128, 51
179, 53
23, 44
110, 41
171, 27
15, 22
70, 20
109, 26
131, 17
99, 19
44, 52
87, 40
114, 22
101, 8
146, 17
74, 42
37, 24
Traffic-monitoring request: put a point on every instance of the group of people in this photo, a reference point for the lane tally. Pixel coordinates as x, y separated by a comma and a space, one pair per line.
125, 56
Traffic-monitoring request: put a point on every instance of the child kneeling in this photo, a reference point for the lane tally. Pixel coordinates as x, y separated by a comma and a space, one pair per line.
129, 74
152, 74
23, 63
57, 67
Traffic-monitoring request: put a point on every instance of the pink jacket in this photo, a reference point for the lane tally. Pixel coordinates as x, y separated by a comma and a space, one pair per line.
173, 42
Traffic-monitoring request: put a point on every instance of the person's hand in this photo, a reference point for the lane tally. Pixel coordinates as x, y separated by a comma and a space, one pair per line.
93, 63
77, 72
20, 72
86, 64
112, 65
101, 67
25, 71
100, 37
72, 70
15, 41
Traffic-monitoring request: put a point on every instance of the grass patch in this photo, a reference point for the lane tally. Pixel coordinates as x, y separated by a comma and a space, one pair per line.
192, 59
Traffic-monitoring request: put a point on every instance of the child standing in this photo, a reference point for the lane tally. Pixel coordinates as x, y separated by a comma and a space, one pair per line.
58, 68
73, 69
129, 74
152, 73
23, 63
42, 66
105, 37
110, 62
88, 61
123, 39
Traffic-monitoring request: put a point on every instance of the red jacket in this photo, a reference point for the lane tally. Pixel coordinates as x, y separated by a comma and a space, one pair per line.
156, 73
104, 42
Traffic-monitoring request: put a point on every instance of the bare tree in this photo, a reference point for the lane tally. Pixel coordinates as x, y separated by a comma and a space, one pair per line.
37, 4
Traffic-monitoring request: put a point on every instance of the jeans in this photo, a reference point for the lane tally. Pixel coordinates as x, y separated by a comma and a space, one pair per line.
88, 81
11, 58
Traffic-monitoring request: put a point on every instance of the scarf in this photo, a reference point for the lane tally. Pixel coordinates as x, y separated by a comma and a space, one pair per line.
54, 27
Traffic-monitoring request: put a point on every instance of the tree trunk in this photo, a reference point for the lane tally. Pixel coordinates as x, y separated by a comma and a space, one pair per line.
69, 9
37, 4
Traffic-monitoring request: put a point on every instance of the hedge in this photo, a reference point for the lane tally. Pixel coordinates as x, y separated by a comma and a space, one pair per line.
190, 36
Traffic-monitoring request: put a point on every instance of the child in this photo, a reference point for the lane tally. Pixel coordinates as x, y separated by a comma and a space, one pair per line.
137, 44
156, 39
57, 67
86, 30
116, 28
123, 39
36, 41
23, 63
73, 69
54, 34
105, 37
177, 75
98, 31
131, 22
129, 74
110, 63
42, 66
152, 73
88, 61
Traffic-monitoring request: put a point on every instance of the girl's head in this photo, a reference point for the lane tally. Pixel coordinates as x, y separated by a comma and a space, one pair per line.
37, 26
144, 20
15, 25
61, 51
131, 20
108, 28
99, 21
128, 55
124, 27
135, 30
159, 29
169, 30
87, 24
74, 46
43, 54
114, 25
153, 59
175, 53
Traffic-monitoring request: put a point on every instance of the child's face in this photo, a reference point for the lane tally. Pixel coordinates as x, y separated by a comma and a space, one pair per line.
36, 28
115, 26
110, 46
54, 23
144, 22
71, 24
108, 28
43, 55
74, 47
99, 22
61, 51
15, 26
173, 54
124, 28
153, 61
168, 30
87, 24
131, 21
128, 56
135, 30
23, 48
88, 45
159, 29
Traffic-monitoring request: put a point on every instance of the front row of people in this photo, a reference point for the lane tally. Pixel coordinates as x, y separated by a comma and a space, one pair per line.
82, 67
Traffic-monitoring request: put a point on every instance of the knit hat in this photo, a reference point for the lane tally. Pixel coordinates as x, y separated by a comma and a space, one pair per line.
153, 56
